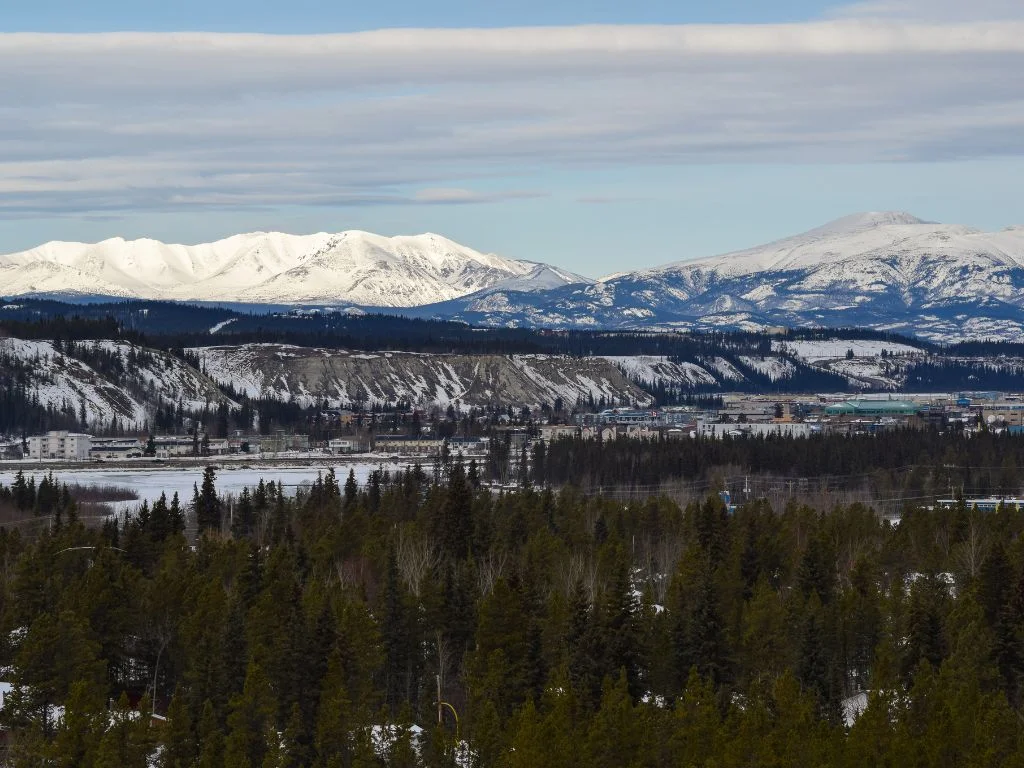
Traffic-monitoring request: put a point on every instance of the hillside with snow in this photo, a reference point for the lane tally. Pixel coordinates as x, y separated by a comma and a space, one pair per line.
887, 270
105, 380
350, 267
309, 376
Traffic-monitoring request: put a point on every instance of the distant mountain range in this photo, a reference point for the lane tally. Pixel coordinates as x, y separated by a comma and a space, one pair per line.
356, 268
885, 270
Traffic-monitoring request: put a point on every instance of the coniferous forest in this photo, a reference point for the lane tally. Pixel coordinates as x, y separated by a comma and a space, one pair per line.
547, 629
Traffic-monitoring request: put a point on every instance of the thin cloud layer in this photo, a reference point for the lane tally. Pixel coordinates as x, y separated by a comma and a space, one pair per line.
100, 123
935, 10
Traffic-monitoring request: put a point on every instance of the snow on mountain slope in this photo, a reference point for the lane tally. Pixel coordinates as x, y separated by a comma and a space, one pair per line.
309, 376
162, 379
726, 370
775, 368
885, 270
269, 267
653, 369
834, 349
68, 385
137, 382
867, 368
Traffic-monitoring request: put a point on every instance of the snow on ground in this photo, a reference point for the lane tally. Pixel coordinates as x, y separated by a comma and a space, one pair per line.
828, 349
69, 384
222, 324
237, 366
866, 373
853, 707
724, 368
341, 378
150, 483
651, 368
169, 379
775, 368
568, 378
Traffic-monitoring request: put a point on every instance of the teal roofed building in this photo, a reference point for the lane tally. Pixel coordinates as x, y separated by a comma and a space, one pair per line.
873, 408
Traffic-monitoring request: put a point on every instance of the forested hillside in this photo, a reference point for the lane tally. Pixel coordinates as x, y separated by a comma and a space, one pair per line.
563, 630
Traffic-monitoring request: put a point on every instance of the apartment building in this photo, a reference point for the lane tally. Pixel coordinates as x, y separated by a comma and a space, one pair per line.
63, 445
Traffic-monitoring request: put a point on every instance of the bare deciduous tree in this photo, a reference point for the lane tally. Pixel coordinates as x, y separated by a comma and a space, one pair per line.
971, 552
351, 571
415, 557
489, 569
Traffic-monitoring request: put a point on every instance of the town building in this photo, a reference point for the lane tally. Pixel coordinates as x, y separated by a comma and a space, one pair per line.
280, 442
866, 407
549, 432
403, 445
11, 450
67, 446
467, 446
345, 445
113, 448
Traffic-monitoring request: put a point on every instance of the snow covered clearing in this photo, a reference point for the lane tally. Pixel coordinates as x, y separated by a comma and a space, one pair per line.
828, 349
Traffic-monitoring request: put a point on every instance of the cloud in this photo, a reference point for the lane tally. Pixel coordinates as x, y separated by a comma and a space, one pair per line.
459, 196
934, 10
101, 123
607, 199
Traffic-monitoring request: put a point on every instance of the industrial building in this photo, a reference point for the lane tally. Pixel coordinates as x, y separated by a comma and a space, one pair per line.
873, 408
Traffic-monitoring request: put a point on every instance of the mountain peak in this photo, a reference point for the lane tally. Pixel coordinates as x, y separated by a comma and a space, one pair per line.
857, 222
350, 267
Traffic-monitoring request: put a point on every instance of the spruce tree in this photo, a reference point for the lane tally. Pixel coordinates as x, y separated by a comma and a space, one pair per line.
207, 503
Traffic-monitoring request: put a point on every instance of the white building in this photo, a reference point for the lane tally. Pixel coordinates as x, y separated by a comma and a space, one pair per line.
115, 448
344, 445
67, 446
549, 432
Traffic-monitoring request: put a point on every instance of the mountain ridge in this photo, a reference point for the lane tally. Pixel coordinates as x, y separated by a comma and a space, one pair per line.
883, 270
352, 266
887, 270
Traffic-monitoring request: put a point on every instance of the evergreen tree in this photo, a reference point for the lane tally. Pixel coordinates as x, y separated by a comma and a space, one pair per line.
250, 719
207, 503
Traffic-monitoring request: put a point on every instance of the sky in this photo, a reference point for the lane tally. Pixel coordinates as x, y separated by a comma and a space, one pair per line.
599, 136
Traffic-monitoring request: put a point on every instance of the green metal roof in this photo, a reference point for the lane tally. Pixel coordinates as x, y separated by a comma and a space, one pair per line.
873, 407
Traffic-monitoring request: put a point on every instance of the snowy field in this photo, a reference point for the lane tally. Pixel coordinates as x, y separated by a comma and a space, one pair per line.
150, 483
830, 349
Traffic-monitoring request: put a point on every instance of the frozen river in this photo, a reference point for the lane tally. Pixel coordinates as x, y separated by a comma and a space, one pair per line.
150, 483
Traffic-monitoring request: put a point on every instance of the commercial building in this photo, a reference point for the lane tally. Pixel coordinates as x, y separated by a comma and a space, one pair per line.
63, 445
549, 432
345, 445
408, 446
113, 448
864, 407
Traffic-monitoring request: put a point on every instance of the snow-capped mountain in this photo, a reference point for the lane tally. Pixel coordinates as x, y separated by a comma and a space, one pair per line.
884, 270
351, 267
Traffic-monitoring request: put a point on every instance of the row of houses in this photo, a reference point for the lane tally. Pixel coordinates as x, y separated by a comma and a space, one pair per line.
430, 446
62, 445
700, 427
